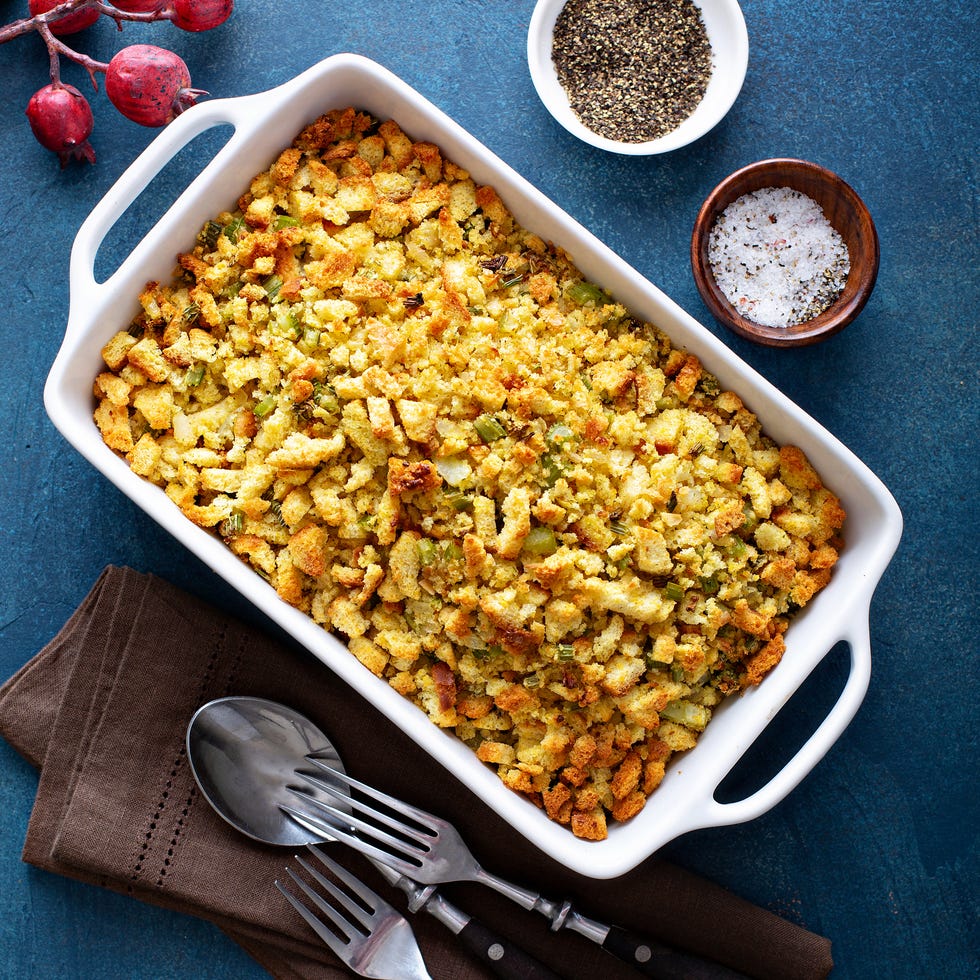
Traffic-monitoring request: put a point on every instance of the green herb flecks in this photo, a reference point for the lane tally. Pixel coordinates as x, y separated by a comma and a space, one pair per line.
232, 524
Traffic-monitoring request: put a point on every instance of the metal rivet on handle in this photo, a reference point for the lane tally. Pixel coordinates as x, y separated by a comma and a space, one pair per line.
496, 952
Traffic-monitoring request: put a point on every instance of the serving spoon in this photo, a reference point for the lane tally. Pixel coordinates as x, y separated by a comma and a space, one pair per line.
244, 754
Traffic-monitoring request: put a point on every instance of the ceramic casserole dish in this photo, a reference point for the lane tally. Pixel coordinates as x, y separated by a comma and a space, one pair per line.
263, 125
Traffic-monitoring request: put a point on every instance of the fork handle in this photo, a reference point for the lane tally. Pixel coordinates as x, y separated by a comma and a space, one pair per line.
653, 959
650, 958
502, 956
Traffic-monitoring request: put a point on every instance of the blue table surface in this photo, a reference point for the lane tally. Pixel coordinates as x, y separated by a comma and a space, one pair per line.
877, 849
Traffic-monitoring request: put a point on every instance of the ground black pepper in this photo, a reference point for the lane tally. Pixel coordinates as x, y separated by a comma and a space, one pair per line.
633, 69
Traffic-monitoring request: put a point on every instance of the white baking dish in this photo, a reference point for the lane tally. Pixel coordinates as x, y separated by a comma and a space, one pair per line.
263, 125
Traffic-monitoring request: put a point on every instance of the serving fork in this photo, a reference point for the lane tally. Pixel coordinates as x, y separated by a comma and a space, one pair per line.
364, 931
428, 849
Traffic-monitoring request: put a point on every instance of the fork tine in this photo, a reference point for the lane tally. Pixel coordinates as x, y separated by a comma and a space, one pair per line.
333, 941
325, 825
373, 939
428, 821
362, 916
420, 838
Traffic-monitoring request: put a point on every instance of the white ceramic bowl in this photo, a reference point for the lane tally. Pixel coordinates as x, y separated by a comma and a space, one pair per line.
725, 27
264, 124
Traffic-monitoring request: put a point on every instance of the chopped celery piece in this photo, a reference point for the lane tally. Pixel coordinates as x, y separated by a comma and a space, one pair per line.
272, 286
541, 541
285, 221
674, 591
587, 292
481, 653
559, 433
489, 429
195, 376
325, 397
233, 227
265, 406
457, 499
291, 327
552, 470
427, 551
452, 551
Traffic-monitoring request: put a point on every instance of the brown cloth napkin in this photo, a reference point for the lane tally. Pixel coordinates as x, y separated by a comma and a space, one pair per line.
103, 709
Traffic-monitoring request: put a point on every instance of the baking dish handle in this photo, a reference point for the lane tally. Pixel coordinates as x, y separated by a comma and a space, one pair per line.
858, 639
239, 113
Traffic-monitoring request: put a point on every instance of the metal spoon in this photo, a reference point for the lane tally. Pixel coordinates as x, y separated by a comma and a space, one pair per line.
244, 753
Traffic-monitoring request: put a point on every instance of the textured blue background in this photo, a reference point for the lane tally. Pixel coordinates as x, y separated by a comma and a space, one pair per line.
878, 848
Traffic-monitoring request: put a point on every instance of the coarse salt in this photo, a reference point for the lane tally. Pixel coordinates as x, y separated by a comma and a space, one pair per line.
777, 258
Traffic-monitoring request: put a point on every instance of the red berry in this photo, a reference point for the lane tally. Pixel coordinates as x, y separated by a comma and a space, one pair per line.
71, 24
149, 85
201, 15
138, 6
61, 120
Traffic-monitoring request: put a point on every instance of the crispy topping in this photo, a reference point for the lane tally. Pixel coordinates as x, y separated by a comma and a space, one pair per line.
527, 511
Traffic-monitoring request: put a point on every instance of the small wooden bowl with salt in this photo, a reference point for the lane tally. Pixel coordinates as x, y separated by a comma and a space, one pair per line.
784, 253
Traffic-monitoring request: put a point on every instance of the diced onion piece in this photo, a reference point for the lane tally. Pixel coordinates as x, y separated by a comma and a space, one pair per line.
453, 469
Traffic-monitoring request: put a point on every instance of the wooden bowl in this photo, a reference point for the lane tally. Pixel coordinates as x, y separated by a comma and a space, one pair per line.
844, 210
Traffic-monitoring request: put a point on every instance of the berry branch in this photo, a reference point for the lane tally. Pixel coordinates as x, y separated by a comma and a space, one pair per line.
56, 47
147, 84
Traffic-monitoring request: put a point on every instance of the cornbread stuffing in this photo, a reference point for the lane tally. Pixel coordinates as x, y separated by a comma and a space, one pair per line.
551, 530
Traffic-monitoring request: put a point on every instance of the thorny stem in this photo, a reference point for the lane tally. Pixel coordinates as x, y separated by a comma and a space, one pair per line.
40, 22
